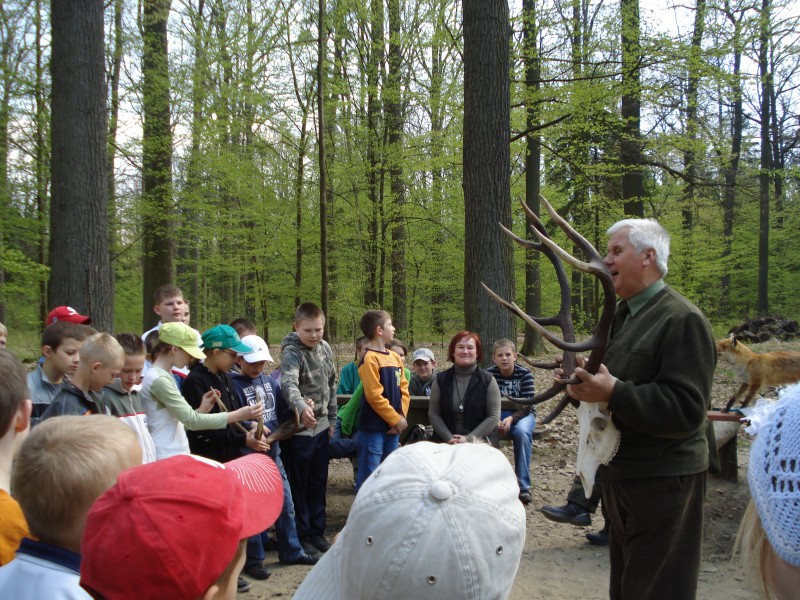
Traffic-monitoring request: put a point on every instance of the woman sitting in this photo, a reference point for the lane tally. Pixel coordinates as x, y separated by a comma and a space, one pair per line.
465, 400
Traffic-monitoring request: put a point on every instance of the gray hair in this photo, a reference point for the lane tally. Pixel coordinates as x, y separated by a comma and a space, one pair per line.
644, 234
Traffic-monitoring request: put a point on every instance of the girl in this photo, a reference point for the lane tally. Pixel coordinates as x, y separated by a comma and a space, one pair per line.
167, 411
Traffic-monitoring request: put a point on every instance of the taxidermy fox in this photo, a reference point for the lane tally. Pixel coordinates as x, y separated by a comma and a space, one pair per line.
757, 370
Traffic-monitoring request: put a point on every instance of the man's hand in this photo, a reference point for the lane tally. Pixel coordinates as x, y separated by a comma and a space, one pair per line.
307, 418
457, 439
592, 388
504, 426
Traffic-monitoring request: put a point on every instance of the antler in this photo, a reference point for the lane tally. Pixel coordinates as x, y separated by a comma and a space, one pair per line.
596, 344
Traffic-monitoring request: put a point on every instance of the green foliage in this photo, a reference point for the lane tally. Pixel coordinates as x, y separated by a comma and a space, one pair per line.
245, 160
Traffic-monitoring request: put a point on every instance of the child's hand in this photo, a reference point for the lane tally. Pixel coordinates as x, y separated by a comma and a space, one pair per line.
400, 427
254, 444
307, 418
208, 401
505, 425
246, 413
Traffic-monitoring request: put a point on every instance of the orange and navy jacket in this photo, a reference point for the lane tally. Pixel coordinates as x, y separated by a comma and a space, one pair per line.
386, 398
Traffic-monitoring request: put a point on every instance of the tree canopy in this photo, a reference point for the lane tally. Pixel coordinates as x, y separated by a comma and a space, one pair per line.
266, 152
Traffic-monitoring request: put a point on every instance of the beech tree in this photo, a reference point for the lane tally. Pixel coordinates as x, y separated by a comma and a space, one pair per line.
80, 275
487, 200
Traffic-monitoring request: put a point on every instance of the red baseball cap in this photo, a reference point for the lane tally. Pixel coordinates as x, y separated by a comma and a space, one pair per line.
168, 529
67, 313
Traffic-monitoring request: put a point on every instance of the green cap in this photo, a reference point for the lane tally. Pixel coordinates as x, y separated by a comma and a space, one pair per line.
223, 337
182, 336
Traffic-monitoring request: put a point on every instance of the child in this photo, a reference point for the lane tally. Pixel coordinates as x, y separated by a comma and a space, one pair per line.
60, 470
61, 344
181, 526
769, 534
121, 397
436, 521
167, 411
3, 336
345, 445
66, 313
244, 327
348, 378
308, 380
221, 344
170, 306
253, 387
516, 381
424, 364
15, 414
101, 359
386, 399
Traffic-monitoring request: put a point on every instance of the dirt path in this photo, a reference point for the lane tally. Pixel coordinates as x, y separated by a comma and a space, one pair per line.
557, 562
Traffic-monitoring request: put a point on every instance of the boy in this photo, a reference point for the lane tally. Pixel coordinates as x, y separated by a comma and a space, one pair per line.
3, 336
453, 529
308, 380
244, 327
253, 387
121, 397
170, 306
66, 313
61, 344
221, 345
101, 359
181, 525
516, 381
15, 414
385, 404
424, 374
60, 470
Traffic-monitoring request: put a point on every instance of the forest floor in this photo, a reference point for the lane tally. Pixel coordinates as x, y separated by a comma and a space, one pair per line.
557, 562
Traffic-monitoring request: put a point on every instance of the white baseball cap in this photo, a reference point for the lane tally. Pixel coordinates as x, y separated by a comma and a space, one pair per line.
433, 521
422, 354
260, 350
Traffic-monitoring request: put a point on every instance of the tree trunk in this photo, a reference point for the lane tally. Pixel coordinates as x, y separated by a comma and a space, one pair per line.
532, 343
80, 274
323, 175
157, 238
766, 161
731, 171
487, 201
394, 125
633, 192
374, 177
694, 65
116, 65
42, 173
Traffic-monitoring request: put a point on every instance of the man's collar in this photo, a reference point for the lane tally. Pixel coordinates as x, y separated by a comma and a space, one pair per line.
637, 302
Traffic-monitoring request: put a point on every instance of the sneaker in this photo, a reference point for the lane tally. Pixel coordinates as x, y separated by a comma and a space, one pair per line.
303, 559
598, 538
257, 571
242, 585
569, 513
525, 497
319, 542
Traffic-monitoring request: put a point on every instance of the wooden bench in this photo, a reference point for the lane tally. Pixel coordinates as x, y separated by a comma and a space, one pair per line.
418, 408
726, 430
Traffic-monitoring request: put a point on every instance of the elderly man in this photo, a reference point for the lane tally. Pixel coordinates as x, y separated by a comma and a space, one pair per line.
656, 378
